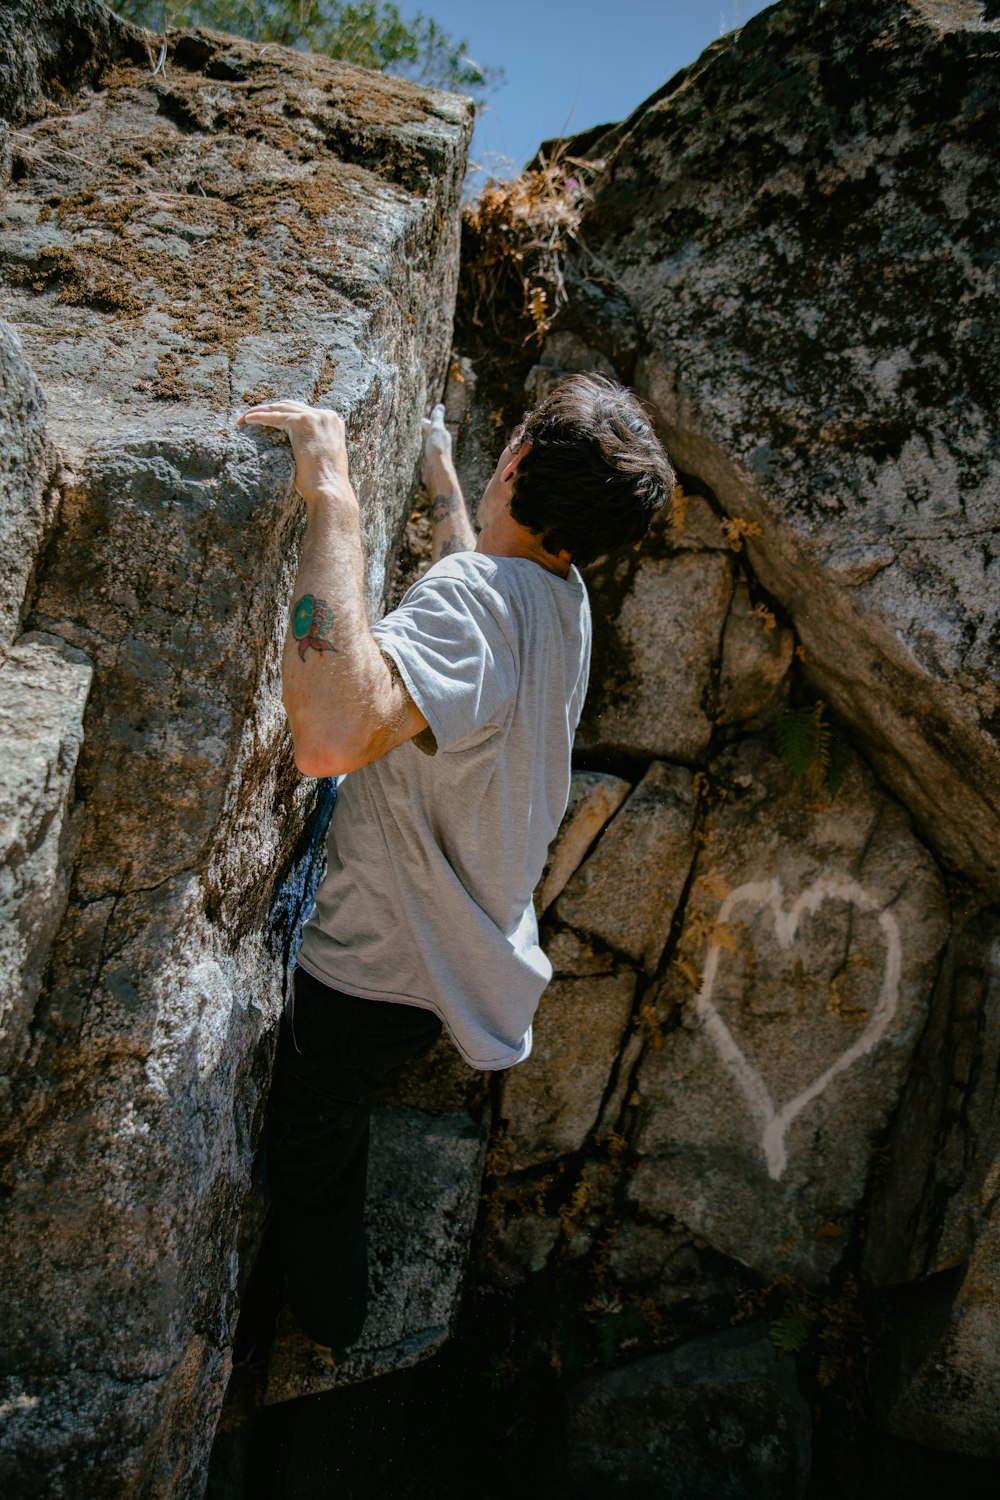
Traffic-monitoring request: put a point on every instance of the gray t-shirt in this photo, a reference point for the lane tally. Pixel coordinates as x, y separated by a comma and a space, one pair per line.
433, 857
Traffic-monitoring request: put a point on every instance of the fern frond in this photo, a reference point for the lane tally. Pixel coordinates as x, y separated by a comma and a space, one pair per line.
812, 747
799, 738
816, 774
790, 1332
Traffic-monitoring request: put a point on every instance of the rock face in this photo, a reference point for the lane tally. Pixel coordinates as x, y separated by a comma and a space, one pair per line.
937, 1222
802, 228
763, 1077
626, 892
789, 251
423, 1195
555, 1098
43, 691
721, 1417
175, 243
26, 498
668, 625
593, 799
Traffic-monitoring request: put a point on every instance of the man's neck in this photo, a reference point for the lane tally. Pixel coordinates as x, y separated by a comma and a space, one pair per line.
505, 537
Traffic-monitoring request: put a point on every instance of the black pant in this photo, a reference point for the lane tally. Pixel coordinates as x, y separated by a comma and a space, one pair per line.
335, 1058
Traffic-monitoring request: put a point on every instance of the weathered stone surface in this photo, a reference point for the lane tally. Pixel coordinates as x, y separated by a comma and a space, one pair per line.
802, 225
43, 690
26, 497
627, 891
756, 655
51, 47
594, 798
563, 354
934, 1198
127, 1168
664, 635
570, 954
803, 976
520, 1235
244, 223
660, 1263
553, 1100
39, 1457
424, 1177
720, 1416
937, 1377
936, 1215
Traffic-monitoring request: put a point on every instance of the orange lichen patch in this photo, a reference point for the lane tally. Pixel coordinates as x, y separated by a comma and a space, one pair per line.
736, 529
201, 260
258, 394
679, 502
766, 616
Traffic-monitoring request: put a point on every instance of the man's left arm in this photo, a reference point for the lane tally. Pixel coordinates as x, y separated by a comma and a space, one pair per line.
451, 529
346, 705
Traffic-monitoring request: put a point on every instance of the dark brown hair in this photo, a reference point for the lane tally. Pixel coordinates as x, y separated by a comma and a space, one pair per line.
596, 473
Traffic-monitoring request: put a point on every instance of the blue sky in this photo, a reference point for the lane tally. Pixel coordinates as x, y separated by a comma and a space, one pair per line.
571, 64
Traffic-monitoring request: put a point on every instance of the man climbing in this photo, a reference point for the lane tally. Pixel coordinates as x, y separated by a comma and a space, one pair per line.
454, 716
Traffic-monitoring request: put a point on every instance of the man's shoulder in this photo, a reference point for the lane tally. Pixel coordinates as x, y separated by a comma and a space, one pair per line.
507, 575
461, 580
519, 595
465, 566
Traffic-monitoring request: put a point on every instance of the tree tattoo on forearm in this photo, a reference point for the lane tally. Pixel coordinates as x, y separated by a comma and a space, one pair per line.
312, 621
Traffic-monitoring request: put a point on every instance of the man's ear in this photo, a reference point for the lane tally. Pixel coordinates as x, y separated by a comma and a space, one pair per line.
510, 468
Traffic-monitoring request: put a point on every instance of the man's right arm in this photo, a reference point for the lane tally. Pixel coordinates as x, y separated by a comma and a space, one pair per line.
451, 529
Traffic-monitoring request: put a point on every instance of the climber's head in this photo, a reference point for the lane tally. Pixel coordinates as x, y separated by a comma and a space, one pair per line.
591, 472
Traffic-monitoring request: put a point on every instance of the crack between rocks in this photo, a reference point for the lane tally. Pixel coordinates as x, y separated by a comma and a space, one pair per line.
192, 613
934, 536
626, 1121
889, 1135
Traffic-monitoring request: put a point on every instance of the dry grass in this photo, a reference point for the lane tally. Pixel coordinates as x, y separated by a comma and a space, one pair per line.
515, 237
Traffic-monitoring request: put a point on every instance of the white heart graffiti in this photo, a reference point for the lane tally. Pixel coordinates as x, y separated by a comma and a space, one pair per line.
774, 1122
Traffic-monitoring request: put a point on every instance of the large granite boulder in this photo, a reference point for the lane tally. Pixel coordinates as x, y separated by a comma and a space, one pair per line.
791, 252
175, 242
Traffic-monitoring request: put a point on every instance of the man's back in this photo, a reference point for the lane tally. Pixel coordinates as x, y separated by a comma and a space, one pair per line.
434, 856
